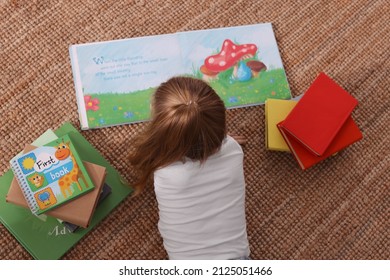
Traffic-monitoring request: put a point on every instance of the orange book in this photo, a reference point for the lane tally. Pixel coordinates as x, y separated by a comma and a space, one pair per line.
348, 134
319, 115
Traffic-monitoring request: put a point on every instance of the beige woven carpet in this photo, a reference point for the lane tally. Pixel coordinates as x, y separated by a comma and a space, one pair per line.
339, 209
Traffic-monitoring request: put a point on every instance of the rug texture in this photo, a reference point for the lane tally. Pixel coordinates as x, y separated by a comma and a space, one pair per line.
338, 209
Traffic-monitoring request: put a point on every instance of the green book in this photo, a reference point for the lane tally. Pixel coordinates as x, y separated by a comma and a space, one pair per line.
44, 237
51, 175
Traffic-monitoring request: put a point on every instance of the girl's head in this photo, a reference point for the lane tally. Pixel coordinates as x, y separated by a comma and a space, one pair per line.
188, 121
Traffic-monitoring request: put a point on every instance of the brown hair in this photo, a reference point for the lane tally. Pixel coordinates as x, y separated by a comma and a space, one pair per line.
188, 121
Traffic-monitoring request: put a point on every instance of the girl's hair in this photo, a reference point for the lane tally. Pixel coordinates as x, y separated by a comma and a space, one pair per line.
188, 121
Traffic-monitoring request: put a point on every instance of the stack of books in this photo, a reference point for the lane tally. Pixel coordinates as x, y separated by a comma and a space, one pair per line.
53, 179
315, 127
57, 190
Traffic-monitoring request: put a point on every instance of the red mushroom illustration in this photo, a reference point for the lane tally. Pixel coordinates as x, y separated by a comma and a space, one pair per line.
229, 56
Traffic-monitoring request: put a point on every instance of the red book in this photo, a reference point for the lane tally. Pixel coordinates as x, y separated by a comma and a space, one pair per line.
347, 135
319, 115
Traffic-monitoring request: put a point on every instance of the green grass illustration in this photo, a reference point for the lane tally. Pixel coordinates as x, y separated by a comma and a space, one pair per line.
121, 108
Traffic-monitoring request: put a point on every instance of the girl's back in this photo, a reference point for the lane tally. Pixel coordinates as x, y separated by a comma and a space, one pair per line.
202, 206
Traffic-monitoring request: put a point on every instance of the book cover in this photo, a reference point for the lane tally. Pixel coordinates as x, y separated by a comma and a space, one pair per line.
51, 175
319, 115
44, 237
78, 211
348, 134
276, 110
114, 80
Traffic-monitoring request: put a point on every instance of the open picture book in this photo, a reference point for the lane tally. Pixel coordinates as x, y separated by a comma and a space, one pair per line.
114, 80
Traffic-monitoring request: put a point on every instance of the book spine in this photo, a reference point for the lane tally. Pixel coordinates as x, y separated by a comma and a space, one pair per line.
28, 195
78, 87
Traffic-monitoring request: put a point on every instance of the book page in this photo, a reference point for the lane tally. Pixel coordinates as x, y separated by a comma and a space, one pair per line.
117, 78
241, 63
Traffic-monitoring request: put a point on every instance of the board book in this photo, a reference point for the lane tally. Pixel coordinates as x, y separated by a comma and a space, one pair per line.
43, 236
114, 80
78, 211
51, 175
348, 134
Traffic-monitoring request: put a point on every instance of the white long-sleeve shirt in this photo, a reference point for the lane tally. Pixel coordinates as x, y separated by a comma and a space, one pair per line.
202, 207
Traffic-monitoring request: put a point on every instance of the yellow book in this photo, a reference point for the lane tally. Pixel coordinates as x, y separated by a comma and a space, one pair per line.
276, 110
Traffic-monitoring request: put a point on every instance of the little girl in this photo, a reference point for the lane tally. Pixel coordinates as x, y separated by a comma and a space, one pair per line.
198, 172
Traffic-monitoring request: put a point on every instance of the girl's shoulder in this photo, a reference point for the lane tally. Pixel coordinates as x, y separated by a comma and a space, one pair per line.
230, 144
